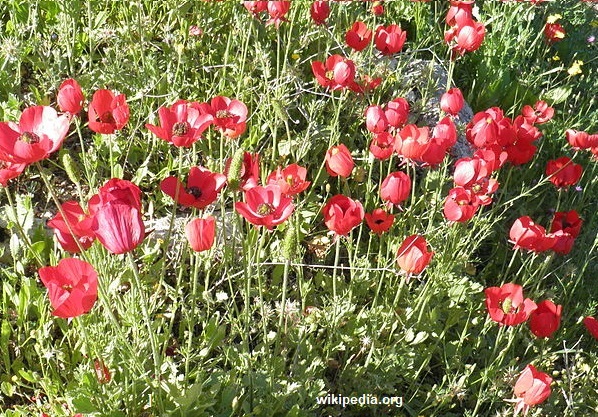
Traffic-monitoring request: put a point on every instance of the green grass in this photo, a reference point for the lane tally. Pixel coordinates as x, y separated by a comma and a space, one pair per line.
187, 334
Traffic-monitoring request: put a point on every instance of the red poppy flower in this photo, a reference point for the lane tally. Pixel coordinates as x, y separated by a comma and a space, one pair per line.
546, 319
379, 221
567, 221
540, 113
395, 188
116, 212
359, 36
338, 72
107, 112
342, 214
452, 101
382, 145
460, 205
291, 179
444, 137
365, 84
563, 172
527, 235
412, 142
79, 223
10, 170
201, 190
375, 119
265, 206
319, 11
532, 388
413, 255
229, 116
39, 133
181, 124
256, 7
459, 12
581, 140
200, 233
278, 11
377, 8
467, 37
397, 112
70, 97
506, 304
72, 287
469, 171
592, 325
482, 131
389, 39
339, 161
554, 32
494, 156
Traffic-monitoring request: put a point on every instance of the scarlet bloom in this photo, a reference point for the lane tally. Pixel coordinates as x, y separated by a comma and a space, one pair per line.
377, 8
201, 190
565, 228
412, 142
290, 179
581, 140
459, 12
70, 97
382, 145
452, 101
546, 319
39, 133
467, 36
554, 32
277, 11
375, 119
75, 220
379, 221
397, 112
10, 170
72, 287
540, 113
200, 233
181, 124
532, 388
338, 72
319, 11
265, 206
528, 235
389, 39
359, 36
563, 172
107, 112
413, 255
460, 205
395, 188
506, 304
342, 214
229, 116
592, 325
116, 212
256, 7
339, 161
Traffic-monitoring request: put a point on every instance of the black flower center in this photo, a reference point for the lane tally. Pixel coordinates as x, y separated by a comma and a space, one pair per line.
195, 192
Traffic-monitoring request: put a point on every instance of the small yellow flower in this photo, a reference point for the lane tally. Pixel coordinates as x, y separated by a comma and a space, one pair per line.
556, 58
575, 68
553, 18
295, 56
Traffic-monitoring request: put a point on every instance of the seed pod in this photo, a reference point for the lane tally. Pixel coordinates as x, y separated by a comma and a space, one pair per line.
234, 171
71, 168
289, 244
